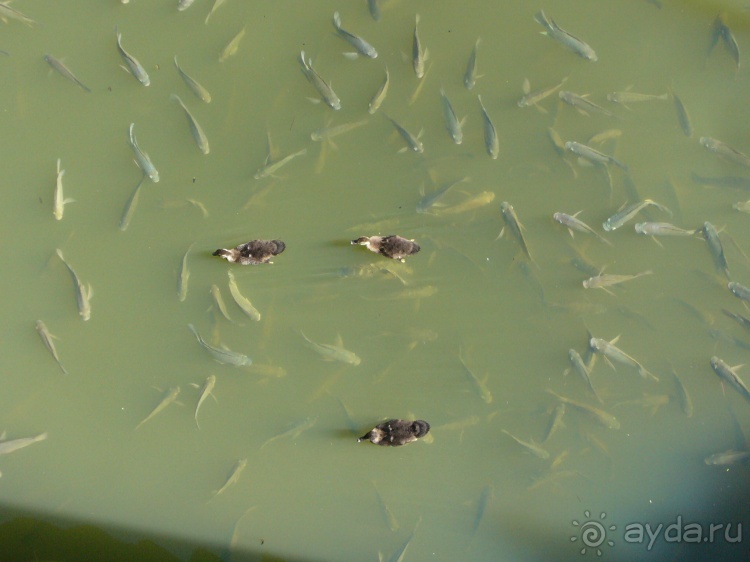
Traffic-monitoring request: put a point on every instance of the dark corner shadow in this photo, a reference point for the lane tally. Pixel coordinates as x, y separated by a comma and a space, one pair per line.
28, 536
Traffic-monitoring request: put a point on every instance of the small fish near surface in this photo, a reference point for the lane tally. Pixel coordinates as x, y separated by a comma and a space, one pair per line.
184, 276
362, 46
711, 236
396, 432
431, 199
83, 294
491, 143
469, 204
195, 87
12, 14
195, 129
412, 141
130, 206
578, 46
628, 212
333, 352
47, 338
233, 477
418, 54
135, 67
530, 446
294, 431
725, 151
583, 105
613, 353
222, 355
481, 384
592, 155
232, 47
572, 222
13, 445
59, 201
728, 458
204, 392
323, 88
142, 158
269, 169
169, 397
452, 124
530, 98
603, 281
605, 418
739, 291
242, 301
379, 96
470, 76
627, 97
729, 375
60, 67
515, 226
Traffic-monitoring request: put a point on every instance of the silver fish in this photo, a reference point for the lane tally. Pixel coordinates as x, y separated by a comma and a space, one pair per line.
233, 477
379, 96
515, 226
715, 247
183, 277
468, 204
491, 142
11, 13
169, 397
387, 513
728, 374
683, 117
429, 200
333, 352
605, 280
294, 431
728, 457
582, 104
15, 444
741, 320
555, 421
470, 76
635, 97
663, 229
324, 88
225, 356
195, 129
232, 47
216, 6
605, 418
142, 158
219, 301
739, 291
625, 214
65, 71
481, 384
203, 393
59, 201
242, 301
327, 133
418, 55
412, 141
83, 294
574, 223
572, 42
136, 69
130, 206
592, 155
604, 136
725, 151
47, 338
195, 87
362, 46
682, 394
184, 5
609, 351
451, 121
531, 447
269, 169
580, 367
372, 5
530, 98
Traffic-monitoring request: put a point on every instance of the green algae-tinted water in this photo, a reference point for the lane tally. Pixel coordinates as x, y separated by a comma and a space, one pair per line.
470, 491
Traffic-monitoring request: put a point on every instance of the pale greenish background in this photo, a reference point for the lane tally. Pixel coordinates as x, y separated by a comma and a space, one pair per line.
313, 496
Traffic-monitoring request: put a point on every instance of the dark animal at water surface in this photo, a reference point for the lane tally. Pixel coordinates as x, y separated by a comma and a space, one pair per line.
396, 432
253, 252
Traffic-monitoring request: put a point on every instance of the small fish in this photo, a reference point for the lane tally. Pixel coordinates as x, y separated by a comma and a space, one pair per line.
412, 141
739, 291
491, 142
572, 42
602, 281
682, 394
65, 71
484, 500
232, 46
183, 277
225, 356
15, 444
47, 338
481, 384
83, 294
327, 133
592, 155
372, 5
469, 204
135, 67
142, 158
333, 352
731, 44
531, 447
399, 554
741, 320
555, 421
233, 477
379, 96
515, 226
451, 121
184, 5
728, 457
725, 151
324, 89
663, 229
634, 97
242, 301
387, 513
270, 169
583, 105
605, 418
219, 301
362, 46
195, 129
711, 237
612, 353
203, 393
470, 76
294, 431
580, 367
195, 87
532, 98
129, 210
418, 55
683, 117
59, 201
727, 373
216, 6
626, 213
428, 201
574, 223
11, 13
169, 397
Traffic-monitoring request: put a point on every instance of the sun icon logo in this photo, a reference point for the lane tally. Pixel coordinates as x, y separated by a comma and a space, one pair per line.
593, 533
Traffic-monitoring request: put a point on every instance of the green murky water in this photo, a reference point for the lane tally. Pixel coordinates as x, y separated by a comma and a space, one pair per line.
472, 492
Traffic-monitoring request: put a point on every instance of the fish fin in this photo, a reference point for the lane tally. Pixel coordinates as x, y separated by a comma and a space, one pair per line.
68, 200
614, 340
89, 292
607, 291
574, 215
339, 341
657, 241
351, 55
502, 230
314, 100
540, 109
610, 363
583, 112
572, 235
402, 150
